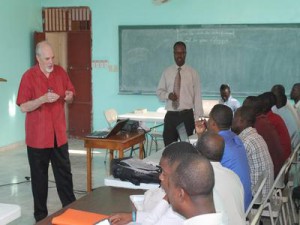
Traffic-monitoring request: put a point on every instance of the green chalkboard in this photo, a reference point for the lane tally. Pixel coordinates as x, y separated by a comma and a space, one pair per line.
250, 58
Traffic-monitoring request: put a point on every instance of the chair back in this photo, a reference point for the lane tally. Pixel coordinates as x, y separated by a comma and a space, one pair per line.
281, 181
257, 189
111, 117
266, 201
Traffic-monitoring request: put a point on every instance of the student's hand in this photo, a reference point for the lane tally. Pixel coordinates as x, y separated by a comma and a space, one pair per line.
120, 218
200, 126
69, 96
172, 96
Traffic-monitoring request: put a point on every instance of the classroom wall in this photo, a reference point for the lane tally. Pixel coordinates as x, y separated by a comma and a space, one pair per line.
18, 19
106, 16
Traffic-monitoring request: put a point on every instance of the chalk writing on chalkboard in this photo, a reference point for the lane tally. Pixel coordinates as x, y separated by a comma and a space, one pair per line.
251, 58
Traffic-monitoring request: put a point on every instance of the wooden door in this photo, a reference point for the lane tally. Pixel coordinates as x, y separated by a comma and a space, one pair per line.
79, 70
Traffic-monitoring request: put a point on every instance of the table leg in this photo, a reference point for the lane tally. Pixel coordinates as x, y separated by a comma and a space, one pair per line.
121, 153
89, 169
111, 155
141, 153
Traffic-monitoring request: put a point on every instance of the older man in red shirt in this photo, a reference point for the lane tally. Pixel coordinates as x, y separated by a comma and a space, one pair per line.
43, 91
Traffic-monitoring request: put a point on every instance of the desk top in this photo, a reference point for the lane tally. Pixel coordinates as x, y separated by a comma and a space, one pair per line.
115, 141
145, 117
104, 200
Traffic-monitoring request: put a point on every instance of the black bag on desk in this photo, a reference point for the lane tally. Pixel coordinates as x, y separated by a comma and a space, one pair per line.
135, 170
131, 126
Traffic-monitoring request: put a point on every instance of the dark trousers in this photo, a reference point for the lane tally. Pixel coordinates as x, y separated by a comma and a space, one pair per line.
39, 162
172, 119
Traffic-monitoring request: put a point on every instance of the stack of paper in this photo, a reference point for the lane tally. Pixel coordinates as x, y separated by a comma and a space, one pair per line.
140, 111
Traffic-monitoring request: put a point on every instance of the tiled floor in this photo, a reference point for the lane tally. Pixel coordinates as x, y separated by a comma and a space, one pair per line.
15, 189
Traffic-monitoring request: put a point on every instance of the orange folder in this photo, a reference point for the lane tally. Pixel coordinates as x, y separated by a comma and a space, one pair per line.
77, 217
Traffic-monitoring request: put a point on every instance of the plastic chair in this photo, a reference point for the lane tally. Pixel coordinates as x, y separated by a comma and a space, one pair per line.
155, 134
111, 117
257, 189
293, 174
272, 206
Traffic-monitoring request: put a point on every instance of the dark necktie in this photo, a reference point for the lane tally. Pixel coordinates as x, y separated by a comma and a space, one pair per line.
176, 89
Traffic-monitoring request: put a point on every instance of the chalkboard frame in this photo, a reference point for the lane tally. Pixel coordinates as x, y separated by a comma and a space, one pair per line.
215, 91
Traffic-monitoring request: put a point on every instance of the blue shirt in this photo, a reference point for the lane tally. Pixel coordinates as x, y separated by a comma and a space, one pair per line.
235, 159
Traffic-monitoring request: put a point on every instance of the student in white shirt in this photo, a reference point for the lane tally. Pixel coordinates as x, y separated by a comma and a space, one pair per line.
227, 99
227, 184
190, 190
156, 208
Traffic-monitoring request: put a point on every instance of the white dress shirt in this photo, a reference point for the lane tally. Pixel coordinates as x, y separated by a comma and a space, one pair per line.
290, 121
205, 219
163, 214
297, 108
233, 103
190, 92
230, 189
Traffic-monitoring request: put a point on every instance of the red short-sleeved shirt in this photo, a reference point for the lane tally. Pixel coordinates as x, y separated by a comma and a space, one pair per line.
266, 130
283, 132
49, 119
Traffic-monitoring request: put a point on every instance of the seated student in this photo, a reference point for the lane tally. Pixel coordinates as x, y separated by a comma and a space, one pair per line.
295, 96
267, 131
234, 157
287, 113
227, 99
227, 184
268, 100
258, 154
156, 209
190, 190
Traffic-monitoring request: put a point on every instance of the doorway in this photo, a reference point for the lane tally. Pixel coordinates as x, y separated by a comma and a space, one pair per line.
68, 30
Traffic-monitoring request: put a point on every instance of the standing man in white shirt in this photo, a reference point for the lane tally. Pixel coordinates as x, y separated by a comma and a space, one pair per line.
179, 87
227, 99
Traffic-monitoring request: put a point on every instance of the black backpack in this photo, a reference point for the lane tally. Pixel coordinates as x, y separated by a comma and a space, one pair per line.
135, 170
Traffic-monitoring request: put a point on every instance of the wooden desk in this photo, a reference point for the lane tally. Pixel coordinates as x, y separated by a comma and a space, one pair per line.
104, 200
119, 142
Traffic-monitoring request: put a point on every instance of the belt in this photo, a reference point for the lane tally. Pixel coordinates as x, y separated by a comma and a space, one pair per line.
181, 111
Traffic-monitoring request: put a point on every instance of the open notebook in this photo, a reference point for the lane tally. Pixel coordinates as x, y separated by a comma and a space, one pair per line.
108, 133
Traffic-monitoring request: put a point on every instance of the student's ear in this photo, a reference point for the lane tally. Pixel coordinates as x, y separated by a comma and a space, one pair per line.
181, 194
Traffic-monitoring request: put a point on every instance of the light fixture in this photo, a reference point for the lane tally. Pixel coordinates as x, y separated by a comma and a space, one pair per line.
2, 80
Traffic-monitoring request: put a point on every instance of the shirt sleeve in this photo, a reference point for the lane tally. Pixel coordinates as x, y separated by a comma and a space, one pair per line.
198, 111
152, 217
24, 94
161, 90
